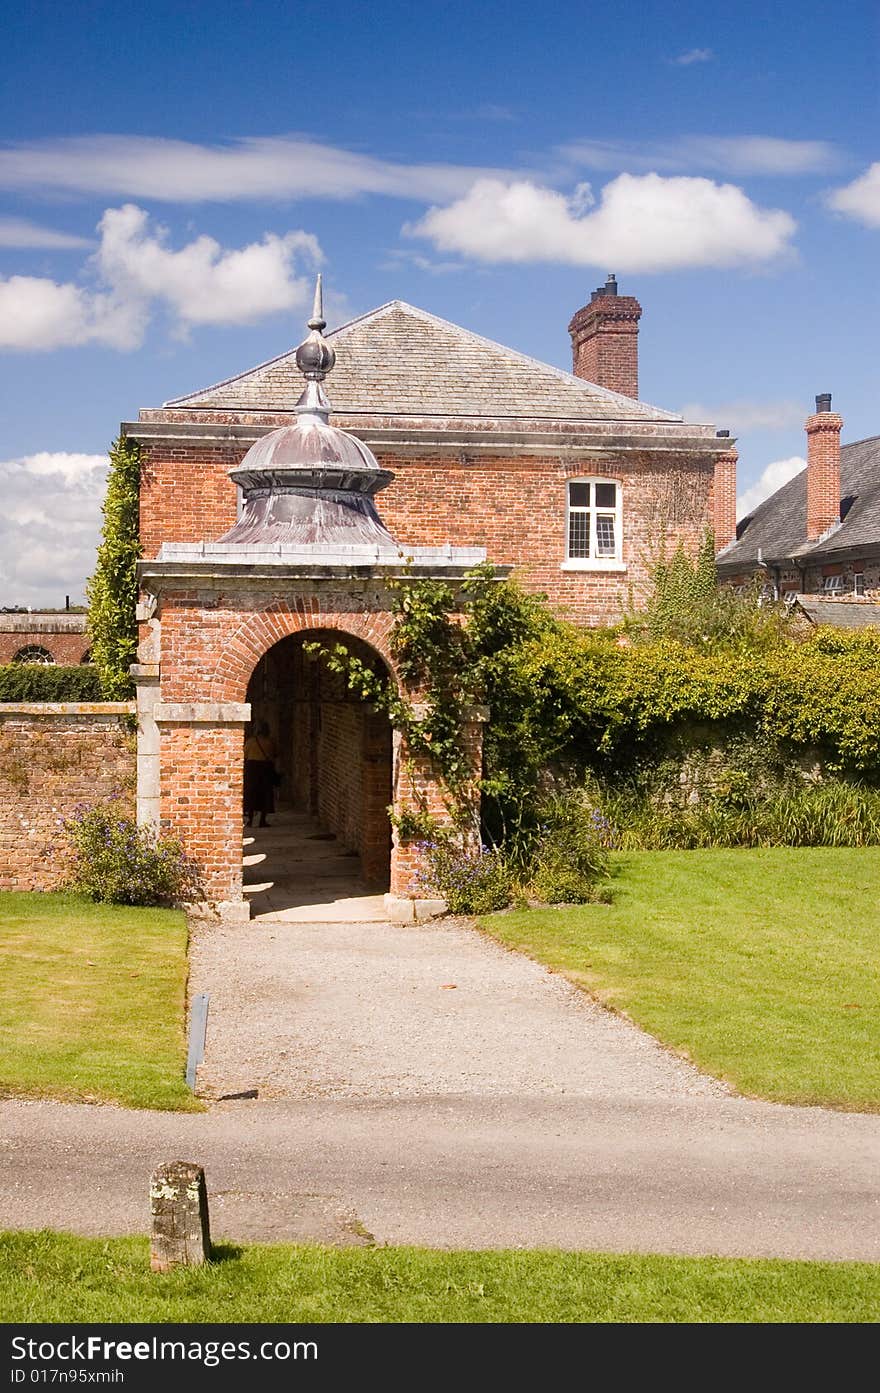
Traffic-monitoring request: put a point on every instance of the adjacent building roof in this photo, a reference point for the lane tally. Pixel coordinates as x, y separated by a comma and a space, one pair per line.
398, 360
842, 614
777, 527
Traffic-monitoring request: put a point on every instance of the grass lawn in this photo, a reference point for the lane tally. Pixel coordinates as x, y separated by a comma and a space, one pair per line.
762, 966
92, 1002
56, 1277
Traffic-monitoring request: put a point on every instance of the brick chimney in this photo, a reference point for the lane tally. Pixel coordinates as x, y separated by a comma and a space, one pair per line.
724, 495
823, 468
605, 340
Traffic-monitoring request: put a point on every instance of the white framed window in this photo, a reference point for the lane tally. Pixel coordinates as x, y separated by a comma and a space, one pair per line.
833, 585
858, 582
593, 526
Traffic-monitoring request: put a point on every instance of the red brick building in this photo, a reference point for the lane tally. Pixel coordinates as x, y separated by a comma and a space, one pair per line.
558, 474
477, 450
819, 535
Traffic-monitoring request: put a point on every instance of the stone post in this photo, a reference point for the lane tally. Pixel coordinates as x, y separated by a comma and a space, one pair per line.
179, 1231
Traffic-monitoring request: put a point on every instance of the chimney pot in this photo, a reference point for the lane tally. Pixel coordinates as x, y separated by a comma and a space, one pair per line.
723, 434
823, 401
611, 284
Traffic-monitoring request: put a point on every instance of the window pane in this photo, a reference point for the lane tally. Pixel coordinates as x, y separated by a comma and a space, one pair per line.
579, 534
606, 495
579, 495
605, 534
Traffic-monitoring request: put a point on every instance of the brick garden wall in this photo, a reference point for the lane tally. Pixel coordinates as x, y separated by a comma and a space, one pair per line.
54, 758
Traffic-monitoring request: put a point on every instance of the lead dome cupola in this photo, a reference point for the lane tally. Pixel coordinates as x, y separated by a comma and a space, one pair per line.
311, 482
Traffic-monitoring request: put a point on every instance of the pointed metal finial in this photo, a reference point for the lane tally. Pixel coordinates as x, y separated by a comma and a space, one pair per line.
317, 320
314, 357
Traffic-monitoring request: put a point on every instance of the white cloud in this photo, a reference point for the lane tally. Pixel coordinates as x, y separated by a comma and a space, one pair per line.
693, 55
745, 415
19, 232
49, 526
202, 283
37, 314
738, 155
270, 167
772, 478
861, 198
642, 223
135, 269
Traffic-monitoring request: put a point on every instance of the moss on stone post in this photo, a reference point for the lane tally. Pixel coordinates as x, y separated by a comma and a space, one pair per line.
179, 1229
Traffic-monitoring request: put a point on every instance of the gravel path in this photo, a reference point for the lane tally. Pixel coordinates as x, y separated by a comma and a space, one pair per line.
375, 1011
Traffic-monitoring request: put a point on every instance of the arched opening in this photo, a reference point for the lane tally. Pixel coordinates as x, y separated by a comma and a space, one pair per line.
328, 834
34, 653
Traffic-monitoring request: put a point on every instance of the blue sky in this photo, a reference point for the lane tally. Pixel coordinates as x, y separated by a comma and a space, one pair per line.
172, 175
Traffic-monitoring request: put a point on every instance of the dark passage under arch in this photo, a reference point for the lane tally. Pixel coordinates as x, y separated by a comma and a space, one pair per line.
335, 752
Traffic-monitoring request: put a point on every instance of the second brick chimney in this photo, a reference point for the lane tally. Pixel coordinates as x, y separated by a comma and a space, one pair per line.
605, 340
724, 495
823, 468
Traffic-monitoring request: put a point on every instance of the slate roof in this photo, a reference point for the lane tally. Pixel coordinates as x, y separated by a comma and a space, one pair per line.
778, 525
842, 614
399, 360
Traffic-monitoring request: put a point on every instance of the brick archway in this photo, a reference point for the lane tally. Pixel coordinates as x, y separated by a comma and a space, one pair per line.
201, 643
258, 632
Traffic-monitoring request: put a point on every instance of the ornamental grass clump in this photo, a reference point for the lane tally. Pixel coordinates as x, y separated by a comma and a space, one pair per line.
836, 814
114, 861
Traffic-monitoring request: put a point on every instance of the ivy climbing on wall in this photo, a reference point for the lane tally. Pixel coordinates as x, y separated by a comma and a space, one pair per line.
112, 590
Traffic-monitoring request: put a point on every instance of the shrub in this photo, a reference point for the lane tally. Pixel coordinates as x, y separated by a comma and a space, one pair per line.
472, 880
35, 682
118, 862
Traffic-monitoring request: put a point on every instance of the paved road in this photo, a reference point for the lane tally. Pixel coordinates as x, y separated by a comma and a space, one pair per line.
689, 1175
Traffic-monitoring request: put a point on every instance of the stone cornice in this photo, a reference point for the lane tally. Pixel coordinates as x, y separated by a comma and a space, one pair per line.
424, 436
211, 572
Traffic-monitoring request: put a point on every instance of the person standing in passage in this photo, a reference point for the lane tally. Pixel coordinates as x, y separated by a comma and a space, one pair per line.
260, 752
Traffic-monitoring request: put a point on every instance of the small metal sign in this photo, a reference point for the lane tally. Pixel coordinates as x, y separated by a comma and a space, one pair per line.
198, 1027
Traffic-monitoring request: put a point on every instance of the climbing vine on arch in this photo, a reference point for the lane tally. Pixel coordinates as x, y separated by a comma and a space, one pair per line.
433, 653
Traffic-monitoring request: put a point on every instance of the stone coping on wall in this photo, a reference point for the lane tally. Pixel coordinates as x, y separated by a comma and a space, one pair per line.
42, 623
67, 708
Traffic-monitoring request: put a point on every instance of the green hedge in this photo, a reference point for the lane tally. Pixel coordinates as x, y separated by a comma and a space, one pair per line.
34, 682
624, 702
